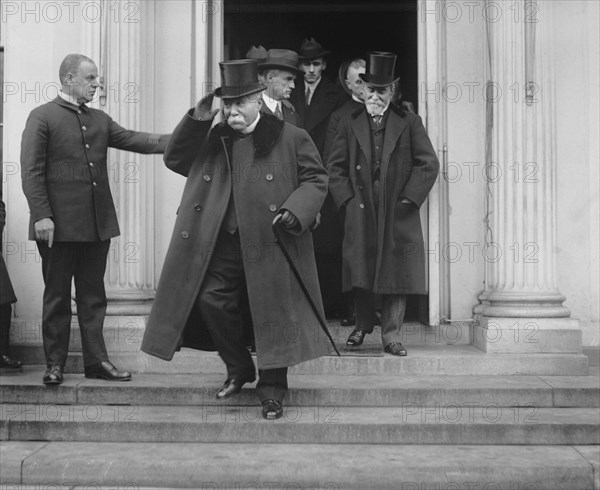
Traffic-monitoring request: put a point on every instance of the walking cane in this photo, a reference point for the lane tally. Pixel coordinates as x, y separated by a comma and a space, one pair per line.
296, 272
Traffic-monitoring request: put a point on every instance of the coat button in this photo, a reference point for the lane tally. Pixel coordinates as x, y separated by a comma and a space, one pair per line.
206, 178
359, 187
361, 206
197, 208
84, 128
87, 146
184, 234
91, 164
272, 208
78, 112
269, 177
94, 184
358, 167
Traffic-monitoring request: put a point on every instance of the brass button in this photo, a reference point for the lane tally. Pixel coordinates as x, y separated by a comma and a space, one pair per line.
269, 177
84, 128
184, 234
206, 178
361, 206
87, 146
272, 208
358, 167
198, 208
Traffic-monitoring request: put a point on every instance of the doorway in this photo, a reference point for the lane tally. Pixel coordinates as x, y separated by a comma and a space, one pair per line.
349, 29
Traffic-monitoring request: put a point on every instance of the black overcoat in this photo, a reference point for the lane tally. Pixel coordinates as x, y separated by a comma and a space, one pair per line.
389, 258
283, 172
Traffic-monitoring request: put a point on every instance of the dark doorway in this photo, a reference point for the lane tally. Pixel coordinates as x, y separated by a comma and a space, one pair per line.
349, 29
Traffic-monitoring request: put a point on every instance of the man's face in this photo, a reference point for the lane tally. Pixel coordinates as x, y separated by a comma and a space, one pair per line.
354, 82
313, 69
280, 83
242, 112
83, 84
377, 98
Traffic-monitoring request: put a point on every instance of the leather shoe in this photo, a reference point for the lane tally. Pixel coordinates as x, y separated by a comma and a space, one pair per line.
271, 409
8, 363
53, 374
233, 386
348, 321
106, 370
395, 348
356, 338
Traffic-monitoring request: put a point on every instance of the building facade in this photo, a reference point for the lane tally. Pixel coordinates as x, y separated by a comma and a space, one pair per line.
508, 91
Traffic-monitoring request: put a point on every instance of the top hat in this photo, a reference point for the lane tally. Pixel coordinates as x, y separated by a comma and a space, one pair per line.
238, 79
380, 69
257, 53
311, 49
283, 59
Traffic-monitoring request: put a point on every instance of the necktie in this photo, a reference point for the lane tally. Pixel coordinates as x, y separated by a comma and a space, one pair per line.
308, 95
278, 113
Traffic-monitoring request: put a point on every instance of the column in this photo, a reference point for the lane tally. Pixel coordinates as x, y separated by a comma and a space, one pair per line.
521, 307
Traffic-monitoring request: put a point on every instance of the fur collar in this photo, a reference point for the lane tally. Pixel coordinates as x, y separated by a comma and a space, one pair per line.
265, 135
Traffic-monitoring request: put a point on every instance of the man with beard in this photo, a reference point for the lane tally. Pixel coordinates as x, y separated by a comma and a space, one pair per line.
244, 175
381, 167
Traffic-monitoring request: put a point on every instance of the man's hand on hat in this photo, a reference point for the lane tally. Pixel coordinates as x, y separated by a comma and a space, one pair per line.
203, 111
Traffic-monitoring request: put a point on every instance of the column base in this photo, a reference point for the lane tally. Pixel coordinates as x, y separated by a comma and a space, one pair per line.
510, 335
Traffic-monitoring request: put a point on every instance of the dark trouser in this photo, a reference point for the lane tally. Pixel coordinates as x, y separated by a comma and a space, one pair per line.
393, 307
86, 262
220, 301
5, 312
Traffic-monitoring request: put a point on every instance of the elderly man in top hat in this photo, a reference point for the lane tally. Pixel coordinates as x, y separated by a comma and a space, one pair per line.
243, 175
381, 167
278, 72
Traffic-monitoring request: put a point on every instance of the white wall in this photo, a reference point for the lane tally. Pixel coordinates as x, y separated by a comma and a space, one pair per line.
576, 50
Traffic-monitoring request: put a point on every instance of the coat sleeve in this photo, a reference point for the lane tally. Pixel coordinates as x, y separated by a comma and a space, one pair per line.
136, 141
185, 143
425, 164
337, 167
34, 145
306, 201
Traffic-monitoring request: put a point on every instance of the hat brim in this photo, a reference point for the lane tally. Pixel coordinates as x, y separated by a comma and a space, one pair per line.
279, 66
320, 54
377, 83
238, 92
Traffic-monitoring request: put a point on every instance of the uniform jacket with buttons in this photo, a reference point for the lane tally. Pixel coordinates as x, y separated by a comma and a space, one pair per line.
64, 169
383, 249
277, 167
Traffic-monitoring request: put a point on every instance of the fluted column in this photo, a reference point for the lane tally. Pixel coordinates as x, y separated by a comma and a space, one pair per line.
522, 292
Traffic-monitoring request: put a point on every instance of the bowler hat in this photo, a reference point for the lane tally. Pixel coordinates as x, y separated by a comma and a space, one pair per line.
311, 49
380, 69
238, 79
257, 53
283, 59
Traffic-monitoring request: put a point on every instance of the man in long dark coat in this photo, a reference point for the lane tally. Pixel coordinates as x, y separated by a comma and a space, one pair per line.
66, 182
241, 175
382, 166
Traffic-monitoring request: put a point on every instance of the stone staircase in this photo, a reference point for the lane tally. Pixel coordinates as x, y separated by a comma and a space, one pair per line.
448, 416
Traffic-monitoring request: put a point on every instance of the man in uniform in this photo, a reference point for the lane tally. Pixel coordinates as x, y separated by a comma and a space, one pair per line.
250, 171
382, 166
73, 218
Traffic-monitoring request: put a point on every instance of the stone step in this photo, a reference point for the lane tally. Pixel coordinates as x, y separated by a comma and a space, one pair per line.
431, 359
327, 424
312, 390
121, 466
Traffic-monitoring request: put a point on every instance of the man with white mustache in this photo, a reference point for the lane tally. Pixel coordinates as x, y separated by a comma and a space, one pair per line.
381, 168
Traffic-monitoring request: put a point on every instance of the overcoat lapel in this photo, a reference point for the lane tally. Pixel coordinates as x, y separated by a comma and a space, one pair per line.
361, 128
